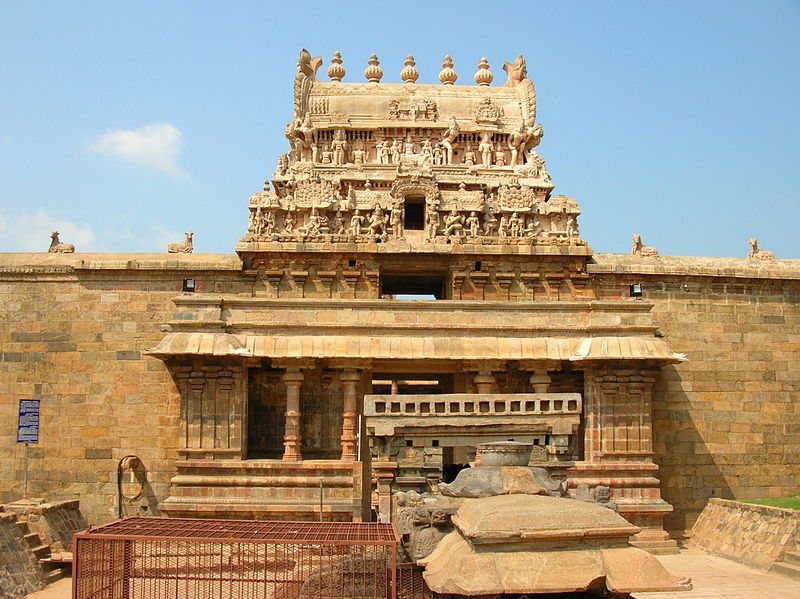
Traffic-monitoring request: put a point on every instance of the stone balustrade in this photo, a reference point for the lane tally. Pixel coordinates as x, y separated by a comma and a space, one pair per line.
477, 404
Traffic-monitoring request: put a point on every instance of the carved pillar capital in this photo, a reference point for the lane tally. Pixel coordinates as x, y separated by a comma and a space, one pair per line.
293, 364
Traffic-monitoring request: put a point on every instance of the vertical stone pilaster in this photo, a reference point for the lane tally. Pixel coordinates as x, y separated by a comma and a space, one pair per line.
350, 375
293, 377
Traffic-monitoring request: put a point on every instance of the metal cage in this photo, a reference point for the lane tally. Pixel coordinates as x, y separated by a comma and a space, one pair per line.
149, 558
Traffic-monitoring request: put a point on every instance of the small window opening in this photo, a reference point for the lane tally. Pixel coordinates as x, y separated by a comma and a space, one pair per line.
636, 290
351, 263
478, 266
412, 287
415, 214
409, 443
435, 443
188, 285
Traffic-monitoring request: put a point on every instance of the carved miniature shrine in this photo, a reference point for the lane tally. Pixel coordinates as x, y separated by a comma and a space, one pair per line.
325, 389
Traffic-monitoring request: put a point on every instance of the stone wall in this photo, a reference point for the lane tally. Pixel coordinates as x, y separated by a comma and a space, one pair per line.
727, 422
73, 331
20, 572
55, 522
756, 535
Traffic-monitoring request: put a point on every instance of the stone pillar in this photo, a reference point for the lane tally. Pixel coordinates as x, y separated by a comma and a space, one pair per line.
618, 449
293, 377
350, 375
484, 379
350, 379
540, 379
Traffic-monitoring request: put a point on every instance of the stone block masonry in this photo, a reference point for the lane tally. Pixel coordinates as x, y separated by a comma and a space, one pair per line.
756, 535
20, 572
726, 423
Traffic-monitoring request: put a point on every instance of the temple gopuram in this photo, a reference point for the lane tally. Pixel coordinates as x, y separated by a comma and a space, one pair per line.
390, 191
408, 287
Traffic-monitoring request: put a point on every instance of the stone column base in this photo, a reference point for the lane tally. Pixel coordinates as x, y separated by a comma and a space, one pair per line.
637, 492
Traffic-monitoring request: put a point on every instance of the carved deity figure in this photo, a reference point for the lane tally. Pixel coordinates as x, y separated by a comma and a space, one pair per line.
469, 156
486, 149
327, 155
288, 222
503, 227
427, 152
339, 147
532, 226
489, 223
438, 155
500, 158
395, 151
356, 222
358, 156
537, 166
382, 150
269, 222
515, 225
453, 224
473, 224
338, 223
312, 224
572, 226
450, 137
428, 527
408, 147
516, 143
432, 221
377, 222
396, 220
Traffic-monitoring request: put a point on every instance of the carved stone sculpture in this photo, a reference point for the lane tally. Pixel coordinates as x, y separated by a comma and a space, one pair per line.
450, 137
184, 247
757, 253
56, 247
640, 249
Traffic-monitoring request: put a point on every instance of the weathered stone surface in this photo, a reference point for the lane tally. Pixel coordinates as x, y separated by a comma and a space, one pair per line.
528, 544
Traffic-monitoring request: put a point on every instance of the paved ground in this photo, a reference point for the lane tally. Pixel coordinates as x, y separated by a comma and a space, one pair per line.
717, 578
713, 578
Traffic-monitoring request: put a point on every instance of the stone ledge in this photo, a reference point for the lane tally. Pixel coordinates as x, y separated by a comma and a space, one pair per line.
694, 266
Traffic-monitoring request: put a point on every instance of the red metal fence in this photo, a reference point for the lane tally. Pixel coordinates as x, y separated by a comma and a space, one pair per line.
155, 558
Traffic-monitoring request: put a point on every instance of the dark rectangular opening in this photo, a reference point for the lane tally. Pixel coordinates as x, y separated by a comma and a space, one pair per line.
415, 214
407, 286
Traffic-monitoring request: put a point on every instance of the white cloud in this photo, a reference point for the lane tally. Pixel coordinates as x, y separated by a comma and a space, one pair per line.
157, 146
26, 232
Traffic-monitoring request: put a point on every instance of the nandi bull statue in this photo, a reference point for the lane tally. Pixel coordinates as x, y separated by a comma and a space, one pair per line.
56, 247
757, 253
640, 249
184, 247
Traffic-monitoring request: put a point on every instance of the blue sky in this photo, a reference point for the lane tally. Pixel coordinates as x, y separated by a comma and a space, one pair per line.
123, 125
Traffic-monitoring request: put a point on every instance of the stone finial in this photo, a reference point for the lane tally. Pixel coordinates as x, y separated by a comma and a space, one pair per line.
373, 72
447, 75
336, 70
484, 76
409, 74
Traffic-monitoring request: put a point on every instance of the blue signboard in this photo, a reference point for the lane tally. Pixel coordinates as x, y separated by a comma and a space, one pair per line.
28, 422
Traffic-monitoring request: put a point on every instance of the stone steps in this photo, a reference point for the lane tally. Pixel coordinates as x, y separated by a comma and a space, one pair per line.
792, 557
